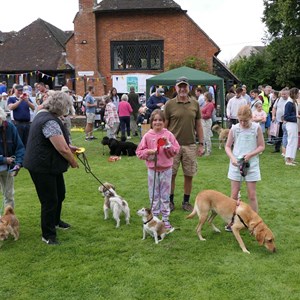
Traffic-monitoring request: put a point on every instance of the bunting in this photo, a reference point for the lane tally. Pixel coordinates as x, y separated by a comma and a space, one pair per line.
43, 75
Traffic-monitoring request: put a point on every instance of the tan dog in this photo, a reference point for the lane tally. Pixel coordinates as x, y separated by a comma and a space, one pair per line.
9, 224
242, 216
223, 134
114, 202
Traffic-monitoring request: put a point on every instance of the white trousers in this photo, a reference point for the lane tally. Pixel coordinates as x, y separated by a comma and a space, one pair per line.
207, 134
292, 140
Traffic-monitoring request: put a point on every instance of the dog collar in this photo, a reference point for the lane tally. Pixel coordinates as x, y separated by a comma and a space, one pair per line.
148, 221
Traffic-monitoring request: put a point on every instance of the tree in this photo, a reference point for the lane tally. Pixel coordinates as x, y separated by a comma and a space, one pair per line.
191, 62
282, 18
278, 65
254, 70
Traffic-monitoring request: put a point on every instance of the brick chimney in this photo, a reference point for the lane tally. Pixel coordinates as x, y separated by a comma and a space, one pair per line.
86, 48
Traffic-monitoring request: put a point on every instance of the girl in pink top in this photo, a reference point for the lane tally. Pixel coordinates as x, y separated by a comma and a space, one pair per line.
147, 150
259, 116
125, 110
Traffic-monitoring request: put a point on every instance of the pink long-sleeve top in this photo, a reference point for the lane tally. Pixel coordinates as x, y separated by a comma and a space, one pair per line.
207, 110
165, 154
125, 109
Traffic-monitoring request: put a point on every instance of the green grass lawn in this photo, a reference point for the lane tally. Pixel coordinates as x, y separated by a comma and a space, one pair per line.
97, 261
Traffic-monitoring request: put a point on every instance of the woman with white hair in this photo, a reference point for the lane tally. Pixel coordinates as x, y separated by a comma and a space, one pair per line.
47, 157
11, 157
125, 110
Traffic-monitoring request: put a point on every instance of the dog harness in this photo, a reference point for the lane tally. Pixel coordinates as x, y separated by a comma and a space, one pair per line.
235, 214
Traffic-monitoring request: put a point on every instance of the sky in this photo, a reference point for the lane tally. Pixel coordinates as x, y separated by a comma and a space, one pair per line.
231, 24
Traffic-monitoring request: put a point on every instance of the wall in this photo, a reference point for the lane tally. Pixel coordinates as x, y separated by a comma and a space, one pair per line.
182, 38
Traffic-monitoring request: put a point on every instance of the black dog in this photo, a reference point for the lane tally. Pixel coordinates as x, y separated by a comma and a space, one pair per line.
119, 148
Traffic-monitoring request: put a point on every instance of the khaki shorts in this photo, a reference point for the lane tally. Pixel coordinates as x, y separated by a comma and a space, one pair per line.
90, 118
188, 157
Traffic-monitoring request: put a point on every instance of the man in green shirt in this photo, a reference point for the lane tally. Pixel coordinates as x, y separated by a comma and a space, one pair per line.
183, 119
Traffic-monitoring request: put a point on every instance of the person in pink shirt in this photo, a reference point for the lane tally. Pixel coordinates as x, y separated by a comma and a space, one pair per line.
206, 120
259, 116
125, 110
158, 147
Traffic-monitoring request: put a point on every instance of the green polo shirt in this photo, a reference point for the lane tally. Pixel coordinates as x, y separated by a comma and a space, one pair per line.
181, 117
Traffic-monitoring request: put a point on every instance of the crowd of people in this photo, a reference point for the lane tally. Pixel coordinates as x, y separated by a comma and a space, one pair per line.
180, 131
277, 113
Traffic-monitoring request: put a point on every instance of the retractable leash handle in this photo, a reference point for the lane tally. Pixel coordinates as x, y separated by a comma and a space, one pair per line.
243, 166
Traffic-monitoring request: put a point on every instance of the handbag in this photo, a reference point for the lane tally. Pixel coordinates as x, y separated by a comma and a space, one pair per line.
274, 129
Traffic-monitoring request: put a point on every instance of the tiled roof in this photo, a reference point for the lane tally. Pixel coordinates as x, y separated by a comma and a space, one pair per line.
128, 5
38, 46
4, 36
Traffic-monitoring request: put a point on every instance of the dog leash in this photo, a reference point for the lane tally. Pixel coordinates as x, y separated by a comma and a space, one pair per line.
160, 143
243, 168
153, 190
87, 167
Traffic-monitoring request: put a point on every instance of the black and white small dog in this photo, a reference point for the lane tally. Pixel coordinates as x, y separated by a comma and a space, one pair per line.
114, 202
119, 148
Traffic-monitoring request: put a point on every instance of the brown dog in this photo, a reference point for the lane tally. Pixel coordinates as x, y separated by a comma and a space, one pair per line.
9, 224
223, 134
242, 216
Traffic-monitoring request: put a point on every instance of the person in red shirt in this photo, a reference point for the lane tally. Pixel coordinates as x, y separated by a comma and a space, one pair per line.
206, 120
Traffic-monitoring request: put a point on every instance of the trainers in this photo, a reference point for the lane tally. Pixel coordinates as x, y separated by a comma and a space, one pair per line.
172, 206
187, 206
50, 241
87, 139
168, 227
167, 224
63, 225
93, 138
290, 164
228, 228
129, 137
270, 143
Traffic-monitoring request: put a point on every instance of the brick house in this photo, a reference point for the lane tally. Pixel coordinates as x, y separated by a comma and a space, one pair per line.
116, 38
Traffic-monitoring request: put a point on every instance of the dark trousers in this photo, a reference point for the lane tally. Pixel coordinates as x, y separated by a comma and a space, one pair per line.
23, 130
125, 125
51, 192
278, 139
